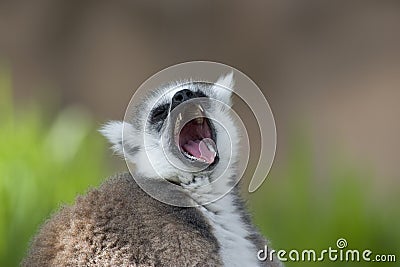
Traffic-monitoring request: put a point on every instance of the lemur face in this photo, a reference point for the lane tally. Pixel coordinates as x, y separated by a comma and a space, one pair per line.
180, 131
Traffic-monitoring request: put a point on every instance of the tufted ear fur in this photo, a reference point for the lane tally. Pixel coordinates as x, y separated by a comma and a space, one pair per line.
227, 83
115, 131
112, 130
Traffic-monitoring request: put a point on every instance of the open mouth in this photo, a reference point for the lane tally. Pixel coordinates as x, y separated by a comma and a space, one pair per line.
196, 139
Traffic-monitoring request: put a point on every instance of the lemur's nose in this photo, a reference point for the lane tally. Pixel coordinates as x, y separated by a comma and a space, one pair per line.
181, 96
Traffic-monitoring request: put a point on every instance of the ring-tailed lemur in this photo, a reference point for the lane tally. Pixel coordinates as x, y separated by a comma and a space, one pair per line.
118, 224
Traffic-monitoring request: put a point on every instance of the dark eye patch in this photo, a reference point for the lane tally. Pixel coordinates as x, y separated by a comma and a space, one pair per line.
159, 114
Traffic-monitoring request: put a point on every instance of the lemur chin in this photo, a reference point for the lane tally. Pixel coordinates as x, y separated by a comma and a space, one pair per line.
182, 133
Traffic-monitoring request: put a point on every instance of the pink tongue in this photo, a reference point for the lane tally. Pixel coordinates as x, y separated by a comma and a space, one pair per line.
201, 149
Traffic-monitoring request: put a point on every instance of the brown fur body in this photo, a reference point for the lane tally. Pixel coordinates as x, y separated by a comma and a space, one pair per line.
114, 226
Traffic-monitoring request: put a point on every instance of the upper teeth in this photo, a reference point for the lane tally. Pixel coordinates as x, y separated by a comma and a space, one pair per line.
178, 123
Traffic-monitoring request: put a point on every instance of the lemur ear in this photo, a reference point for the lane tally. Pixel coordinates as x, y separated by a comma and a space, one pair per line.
225, 94
114, 132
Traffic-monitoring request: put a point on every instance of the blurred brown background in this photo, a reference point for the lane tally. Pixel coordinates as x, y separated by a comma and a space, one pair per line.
331, 66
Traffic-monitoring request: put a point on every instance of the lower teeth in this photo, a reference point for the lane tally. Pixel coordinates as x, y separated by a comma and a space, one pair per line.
192, 157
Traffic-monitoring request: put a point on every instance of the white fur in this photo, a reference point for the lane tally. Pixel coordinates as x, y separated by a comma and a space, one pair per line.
227, 83
228, 226
231, 233
113, 132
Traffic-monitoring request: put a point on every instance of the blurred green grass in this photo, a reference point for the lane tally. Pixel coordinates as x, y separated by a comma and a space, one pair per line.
46, 161
299, 210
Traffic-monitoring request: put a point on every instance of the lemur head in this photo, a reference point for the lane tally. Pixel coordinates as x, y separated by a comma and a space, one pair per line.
180, 132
